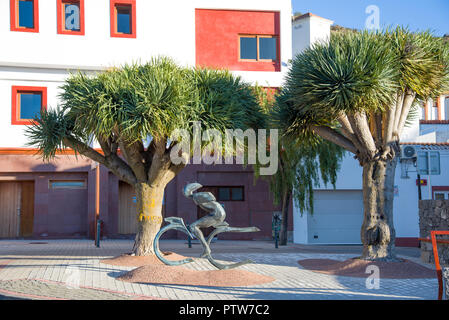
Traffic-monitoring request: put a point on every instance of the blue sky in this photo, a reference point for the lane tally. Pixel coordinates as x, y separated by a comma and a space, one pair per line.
416, 14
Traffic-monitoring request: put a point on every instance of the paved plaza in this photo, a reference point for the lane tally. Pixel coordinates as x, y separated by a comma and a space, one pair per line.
71, 269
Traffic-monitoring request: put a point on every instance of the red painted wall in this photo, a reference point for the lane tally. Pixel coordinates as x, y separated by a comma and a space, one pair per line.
256, 210
217, 37
66, 213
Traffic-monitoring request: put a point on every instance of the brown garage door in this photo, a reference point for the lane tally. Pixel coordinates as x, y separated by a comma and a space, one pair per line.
16, 209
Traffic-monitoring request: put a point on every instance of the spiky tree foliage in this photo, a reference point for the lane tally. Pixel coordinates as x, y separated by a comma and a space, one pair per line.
357, 91
300, 164
123, 107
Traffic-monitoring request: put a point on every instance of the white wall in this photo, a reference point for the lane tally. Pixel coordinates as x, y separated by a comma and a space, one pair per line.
309, 30
13, 135
411, 131
319, 29
163, 27
406, 212
441, 132
349, 177
300, 35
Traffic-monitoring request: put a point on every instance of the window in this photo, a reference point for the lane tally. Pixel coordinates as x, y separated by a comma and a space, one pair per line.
70, 17
68, 184
248, 48
439, 196
230, 194
258, 48
27, 103
24, 15
440, 192
424, 161
123, 18
268, 48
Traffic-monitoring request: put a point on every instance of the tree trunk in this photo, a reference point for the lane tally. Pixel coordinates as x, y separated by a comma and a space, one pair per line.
149, 215
378, 234
283, 237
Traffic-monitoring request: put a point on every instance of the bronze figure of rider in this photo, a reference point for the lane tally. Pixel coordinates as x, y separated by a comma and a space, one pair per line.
207, 202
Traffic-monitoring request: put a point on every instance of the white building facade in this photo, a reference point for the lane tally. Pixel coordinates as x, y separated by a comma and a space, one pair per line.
46, 40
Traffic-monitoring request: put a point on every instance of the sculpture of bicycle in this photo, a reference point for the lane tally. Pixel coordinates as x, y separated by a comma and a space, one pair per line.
215, 218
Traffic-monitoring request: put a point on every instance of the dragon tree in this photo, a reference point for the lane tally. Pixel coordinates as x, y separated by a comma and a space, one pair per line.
132, 112
357, 90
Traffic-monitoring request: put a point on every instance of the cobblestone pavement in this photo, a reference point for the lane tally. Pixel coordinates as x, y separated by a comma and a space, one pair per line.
71, 269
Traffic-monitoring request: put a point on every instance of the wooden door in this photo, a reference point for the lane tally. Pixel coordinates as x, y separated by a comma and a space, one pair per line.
127, 223
201, 213
16, 209
9, 209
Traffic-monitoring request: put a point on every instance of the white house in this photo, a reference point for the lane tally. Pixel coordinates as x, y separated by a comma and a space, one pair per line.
338, 213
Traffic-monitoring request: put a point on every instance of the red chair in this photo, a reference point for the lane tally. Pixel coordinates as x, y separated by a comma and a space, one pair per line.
434, 241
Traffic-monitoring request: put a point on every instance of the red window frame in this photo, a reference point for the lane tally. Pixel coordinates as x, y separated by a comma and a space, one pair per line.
15, 110
438, 188
61, 17
14, 16
113, 7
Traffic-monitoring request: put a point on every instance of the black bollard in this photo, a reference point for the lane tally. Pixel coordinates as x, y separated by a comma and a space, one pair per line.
276, 238
98, 233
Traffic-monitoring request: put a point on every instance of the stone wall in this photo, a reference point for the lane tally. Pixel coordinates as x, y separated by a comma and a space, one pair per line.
434, 215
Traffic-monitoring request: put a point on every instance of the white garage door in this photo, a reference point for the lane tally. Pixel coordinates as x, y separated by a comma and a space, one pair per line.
337, 218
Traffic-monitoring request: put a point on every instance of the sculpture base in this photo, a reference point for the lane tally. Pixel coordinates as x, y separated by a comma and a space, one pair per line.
126, 260
357, 268
178, 275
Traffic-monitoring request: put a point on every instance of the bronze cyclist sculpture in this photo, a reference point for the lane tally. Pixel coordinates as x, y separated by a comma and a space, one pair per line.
215, 219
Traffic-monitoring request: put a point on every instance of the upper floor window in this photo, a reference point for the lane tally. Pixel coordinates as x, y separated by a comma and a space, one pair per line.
24, 15
248, 40
70, 17
123, 18
27, 103
258, 48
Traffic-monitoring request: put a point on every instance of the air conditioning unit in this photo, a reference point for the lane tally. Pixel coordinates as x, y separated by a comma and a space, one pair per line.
409, 152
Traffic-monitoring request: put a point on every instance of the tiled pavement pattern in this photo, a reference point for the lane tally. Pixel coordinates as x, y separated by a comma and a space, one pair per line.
37, 289
71, 269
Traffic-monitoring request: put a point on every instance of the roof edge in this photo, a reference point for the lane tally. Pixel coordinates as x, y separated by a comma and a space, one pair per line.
309, 15
434, 144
